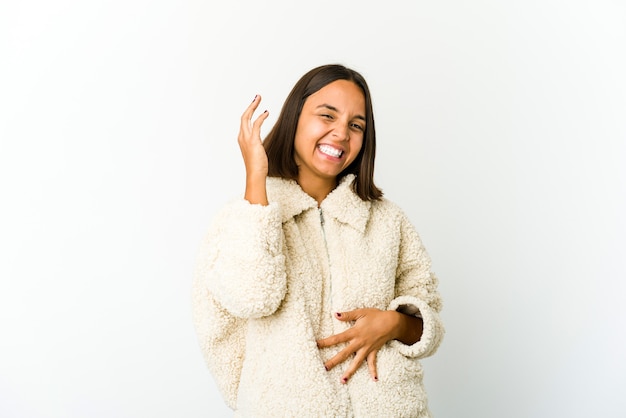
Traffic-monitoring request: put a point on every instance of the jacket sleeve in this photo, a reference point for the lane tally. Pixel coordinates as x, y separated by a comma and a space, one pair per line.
221, 337
416, 293
240, 274
243, 259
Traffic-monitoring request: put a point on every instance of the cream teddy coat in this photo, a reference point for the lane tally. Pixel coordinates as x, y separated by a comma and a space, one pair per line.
268, 281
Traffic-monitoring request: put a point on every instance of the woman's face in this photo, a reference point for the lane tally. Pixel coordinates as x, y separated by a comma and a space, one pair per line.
330, 130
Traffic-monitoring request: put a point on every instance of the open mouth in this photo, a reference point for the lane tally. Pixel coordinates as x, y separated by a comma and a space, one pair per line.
330, 151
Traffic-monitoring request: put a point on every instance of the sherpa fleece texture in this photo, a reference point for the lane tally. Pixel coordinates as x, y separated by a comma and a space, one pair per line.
268, 281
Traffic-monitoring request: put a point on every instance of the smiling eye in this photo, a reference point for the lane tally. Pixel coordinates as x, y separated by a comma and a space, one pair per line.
357, 126
327, 116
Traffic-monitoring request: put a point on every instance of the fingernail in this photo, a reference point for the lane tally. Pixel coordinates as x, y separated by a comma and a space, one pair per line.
265, 111
255, 96
375, 378
344, 380
338, 314
326, 368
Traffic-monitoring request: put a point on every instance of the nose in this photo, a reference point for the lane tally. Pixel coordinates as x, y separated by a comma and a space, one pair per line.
341, 131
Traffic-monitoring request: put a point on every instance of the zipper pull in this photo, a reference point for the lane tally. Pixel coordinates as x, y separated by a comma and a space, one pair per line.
321, 216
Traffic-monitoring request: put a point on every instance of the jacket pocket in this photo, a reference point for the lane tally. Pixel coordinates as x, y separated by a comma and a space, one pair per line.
399, 391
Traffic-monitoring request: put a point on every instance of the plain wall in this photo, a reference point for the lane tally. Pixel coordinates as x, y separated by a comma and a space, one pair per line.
501, 130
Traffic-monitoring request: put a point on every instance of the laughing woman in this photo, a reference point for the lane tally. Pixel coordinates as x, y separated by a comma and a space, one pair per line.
313, 295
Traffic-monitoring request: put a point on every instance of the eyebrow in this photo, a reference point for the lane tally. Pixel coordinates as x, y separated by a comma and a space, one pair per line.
334, 109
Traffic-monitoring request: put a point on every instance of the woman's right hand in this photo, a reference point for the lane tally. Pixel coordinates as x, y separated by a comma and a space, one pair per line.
253, 152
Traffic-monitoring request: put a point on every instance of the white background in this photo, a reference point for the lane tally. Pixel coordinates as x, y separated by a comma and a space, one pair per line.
502, 133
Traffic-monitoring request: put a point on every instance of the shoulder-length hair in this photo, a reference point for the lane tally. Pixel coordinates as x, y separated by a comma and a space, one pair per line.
279, 142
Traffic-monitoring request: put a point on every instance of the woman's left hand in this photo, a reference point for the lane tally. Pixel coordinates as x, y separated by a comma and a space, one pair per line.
371, 330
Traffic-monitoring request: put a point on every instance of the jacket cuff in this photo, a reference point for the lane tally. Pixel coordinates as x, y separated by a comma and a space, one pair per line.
433, 330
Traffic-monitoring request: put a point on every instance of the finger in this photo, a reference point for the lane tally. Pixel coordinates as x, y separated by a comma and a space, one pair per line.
256, 126
342, 337
339, 358
371, 365
246, 117
356, 363
349, 315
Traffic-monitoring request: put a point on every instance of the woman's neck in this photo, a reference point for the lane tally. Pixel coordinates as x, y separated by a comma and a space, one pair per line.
316, 187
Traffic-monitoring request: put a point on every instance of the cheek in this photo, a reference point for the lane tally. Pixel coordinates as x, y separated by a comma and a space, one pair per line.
314, 130
296, 151
302, 147
308, 134
297, 142
355, 146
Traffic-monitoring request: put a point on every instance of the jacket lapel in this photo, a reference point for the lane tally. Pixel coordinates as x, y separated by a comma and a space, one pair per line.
288, 193
346, 206
341, 204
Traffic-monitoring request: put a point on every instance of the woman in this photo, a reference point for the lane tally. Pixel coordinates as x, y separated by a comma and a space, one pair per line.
313, 295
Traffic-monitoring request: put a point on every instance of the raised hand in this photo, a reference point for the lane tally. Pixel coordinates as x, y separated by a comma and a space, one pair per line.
254, 156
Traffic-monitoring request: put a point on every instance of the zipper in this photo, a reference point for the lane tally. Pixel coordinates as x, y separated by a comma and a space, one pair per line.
330, 285
330, 276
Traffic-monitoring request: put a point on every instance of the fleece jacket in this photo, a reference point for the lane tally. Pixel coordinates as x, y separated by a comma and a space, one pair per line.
268, 281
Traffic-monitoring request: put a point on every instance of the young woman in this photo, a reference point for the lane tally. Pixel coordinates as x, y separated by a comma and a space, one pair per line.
313, 295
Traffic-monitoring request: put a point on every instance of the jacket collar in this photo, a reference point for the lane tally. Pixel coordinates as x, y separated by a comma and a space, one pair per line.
341, 204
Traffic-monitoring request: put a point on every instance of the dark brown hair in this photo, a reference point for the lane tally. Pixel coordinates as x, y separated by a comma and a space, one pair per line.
279, 142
